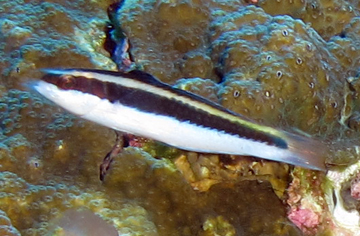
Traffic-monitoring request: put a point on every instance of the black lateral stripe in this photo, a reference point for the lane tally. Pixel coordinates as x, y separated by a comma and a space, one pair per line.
152, 103
144, 77
147, 78
156, 104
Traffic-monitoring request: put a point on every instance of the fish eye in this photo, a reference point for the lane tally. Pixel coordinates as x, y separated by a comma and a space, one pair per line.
66, 82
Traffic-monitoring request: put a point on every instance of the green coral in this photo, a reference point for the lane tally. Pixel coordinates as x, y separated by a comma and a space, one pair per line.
271, 73
203, 87
23, 111
50, 34
31, 207
168, 39
6, 227
346, 47
328, 18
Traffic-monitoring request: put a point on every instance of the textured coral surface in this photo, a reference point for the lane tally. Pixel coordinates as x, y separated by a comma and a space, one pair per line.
298, 72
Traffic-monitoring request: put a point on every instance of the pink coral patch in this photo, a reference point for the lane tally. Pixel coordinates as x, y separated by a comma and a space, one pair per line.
355, 187
305, 219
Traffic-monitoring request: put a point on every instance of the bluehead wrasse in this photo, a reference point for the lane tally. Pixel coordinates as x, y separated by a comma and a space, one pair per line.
137, 103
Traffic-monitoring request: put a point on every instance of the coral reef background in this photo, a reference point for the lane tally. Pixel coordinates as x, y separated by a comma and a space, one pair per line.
288, 64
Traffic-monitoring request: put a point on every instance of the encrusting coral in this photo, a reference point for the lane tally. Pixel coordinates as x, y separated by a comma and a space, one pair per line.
42, 34
328, 18
275, 69
270, 70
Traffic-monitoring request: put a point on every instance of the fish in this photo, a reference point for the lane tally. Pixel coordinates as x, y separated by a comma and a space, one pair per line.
135, 102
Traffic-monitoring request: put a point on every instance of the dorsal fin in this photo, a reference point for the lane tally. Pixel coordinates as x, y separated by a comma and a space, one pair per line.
141, 76
134, 74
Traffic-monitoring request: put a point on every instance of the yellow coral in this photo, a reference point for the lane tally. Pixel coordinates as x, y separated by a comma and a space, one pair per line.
218, 226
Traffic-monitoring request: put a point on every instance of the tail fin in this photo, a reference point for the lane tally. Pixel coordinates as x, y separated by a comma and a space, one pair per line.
306, 152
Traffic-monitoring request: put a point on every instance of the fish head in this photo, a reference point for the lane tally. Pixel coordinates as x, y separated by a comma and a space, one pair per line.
66, 90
